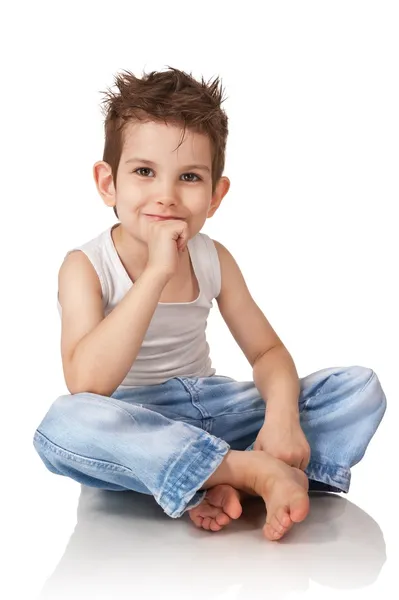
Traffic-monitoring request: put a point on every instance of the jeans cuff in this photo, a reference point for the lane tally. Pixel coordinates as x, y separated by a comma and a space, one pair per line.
184, 479
333, 475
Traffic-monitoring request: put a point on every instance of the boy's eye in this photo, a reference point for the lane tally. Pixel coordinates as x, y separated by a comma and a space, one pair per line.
140, 169
194, 175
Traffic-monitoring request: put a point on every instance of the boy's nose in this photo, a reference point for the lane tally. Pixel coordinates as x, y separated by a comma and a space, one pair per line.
168, 199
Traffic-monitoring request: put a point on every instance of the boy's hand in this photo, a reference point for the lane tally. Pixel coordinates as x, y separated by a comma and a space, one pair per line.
166, 239
283, 438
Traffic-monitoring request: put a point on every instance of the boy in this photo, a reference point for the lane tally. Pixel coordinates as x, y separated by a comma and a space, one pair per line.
146, 411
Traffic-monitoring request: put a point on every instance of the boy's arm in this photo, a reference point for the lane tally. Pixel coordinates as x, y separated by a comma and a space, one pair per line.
98, 352
274, 371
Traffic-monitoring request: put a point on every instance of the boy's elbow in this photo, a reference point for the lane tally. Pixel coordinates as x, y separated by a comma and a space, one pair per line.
79, 382
89, 388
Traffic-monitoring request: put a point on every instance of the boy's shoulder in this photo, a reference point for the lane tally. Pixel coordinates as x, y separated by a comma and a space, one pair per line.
88, 253
84, 261
225, 258
223, 254
77, 266
232, 279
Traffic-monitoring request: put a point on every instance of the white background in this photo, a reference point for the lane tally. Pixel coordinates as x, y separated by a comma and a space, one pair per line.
311, 218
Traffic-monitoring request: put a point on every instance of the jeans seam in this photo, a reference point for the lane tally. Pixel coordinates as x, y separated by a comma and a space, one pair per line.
195, 400
78, 458
241, 412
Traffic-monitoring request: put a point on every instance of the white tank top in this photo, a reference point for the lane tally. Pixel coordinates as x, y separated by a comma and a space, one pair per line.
175, 342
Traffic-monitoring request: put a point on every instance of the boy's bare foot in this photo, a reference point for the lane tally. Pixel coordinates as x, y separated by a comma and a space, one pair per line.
283, 488
287, 502
221, 504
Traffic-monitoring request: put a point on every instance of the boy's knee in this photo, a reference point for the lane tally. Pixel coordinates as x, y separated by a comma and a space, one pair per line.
86, 412
63, 405
60, 413
377, 394
369, 386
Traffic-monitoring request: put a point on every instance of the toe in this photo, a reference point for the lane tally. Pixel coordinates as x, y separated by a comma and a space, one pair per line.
233, 506
198, 522
283, 517
299, 508
271, 533
277, 535
227, 499
223, 519
276, 525
214, 526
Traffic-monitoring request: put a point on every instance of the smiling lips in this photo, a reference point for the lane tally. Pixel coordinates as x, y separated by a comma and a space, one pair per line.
160, 217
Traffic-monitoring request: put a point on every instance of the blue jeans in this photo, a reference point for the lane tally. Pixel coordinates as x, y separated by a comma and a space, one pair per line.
166, 440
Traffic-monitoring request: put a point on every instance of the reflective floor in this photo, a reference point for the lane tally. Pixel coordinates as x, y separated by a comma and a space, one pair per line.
124, 546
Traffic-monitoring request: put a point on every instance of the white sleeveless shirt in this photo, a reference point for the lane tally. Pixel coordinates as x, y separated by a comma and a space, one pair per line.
175, 342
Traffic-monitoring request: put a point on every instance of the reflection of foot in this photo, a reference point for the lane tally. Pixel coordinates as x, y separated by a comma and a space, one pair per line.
221, 504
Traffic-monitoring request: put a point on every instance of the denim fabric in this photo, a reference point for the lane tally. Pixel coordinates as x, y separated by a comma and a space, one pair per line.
167, 439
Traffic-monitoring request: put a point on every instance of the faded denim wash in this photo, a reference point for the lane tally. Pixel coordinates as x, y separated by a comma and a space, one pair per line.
166, 440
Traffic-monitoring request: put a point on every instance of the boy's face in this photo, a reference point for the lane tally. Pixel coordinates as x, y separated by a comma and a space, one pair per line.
177, 183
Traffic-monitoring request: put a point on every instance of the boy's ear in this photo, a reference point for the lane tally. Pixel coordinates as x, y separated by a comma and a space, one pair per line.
222, 187
102, 174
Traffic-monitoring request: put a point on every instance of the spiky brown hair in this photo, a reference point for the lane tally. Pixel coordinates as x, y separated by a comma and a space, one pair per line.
171, 96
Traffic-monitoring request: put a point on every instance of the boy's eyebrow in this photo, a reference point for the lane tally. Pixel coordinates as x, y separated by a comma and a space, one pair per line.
153, 164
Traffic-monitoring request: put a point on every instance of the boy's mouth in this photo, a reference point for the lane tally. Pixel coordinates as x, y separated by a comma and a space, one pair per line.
163, 218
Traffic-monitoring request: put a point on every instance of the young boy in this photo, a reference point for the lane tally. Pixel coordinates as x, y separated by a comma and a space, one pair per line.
146, 411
